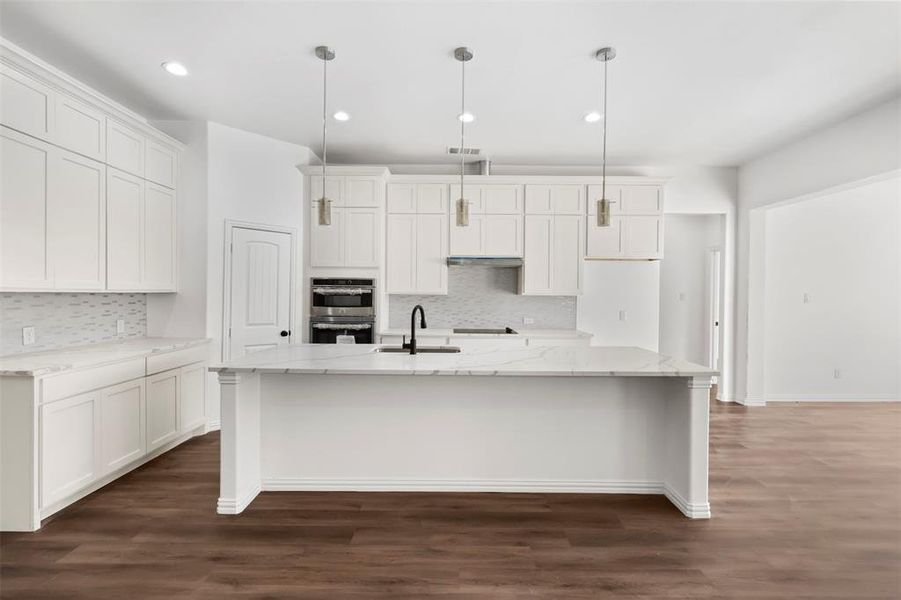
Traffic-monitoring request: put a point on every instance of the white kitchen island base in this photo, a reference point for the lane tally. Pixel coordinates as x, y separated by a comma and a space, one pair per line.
291, 427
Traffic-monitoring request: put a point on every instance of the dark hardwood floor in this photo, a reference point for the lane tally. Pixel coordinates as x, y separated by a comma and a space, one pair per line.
806, 503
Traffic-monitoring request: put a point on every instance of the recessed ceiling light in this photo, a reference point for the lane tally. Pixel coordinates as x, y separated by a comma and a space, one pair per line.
341, 116
175, 68
592, 117
466, 117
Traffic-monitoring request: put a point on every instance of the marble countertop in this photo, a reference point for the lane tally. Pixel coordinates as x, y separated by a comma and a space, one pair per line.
35, 364
339, 359
532, 333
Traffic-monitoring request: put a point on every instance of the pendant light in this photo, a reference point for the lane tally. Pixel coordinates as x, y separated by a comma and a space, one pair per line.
464, 55
325, 54
605, 55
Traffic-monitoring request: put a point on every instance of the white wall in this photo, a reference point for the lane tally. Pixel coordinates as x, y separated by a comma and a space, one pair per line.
613, 286
863, 146
843, 251
684, 285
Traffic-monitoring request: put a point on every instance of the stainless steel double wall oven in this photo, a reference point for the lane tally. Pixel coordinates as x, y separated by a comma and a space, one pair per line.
342, 307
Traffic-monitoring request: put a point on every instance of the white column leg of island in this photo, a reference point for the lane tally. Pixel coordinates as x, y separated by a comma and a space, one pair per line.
687, 433
239, 466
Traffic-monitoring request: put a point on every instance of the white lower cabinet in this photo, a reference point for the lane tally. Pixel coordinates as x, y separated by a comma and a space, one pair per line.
192, 397
162, 408
70, 446
122, 431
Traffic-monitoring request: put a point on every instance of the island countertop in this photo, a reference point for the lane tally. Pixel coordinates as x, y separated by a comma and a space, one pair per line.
362, 359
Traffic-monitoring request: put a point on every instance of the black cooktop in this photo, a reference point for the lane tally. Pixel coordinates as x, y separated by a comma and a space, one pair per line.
477, 330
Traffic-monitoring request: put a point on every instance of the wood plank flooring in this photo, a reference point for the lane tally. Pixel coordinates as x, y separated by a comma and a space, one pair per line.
806, 502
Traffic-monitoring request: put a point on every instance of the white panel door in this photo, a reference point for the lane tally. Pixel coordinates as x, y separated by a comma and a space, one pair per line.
122, 428
24, 262
614, 195
124, 148
643, 236
260, 298
160, 164
192, 397
567, 255
605, 242
327, 245
431, 254
124, 230
70, 446
537, 260
503, 235
26, 105
503, 199
401, 198
432, 198
642, 200
401, 255
334, 187
159, 238
468, 240
361, 191
76, 222
80, 128
162, 408
474, 196
361, 237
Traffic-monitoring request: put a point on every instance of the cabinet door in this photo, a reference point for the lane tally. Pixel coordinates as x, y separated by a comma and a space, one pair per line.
26, 105
361, 237
122, 429
567, 199
566, 265
431, 254
124, 230
76, 222
124, 148
326, 241
503, 199
159, 238
432, 198
537, 261
192, 397
503, 235
642, 200
23, 211
468, 240
80, 128
643, 236
401, 254
605, 242
361, 191
472, 193
334, 187
401, 198
160, 164
70, 446
614, 195
162, 408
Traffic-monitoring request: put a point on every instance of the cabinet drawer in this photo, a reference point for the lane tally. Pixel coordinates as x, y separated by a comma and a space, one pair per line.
76, 382
157, 363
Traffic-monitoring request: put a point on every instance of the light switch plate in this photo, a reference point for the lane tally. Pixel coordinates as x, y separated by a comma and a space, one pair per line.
28, 336
623, 315
120, 326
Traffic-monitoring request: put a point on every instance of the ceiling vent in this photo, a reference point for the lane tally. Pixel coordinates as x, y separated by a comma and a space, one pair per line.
467, 151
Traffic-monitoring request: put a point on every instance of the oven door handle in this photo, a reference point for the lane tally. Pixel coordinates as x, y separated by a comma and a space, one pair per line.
331, 291
343, 326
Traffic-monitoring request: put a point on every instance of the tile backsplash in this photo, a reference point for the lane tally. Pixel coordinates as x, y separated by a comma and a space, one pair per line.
485, 297
62, 320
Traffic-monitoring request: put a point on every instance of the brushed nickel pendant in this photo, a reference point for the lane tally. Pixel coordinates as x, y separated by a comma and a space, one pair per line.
463, 55
605, 55
325, 54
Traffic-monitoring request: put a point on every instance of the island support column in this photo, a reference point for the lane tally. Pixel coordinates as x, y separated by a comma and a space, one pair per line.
687, 442
239, 467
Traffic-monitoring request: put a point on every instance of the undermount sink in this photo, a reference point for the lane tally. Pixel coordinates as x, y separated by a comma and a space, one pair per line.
419, 349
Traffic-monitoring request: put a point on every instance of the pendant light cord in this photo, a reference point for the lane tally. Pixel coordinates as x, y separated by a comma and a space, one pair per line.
324, 118
462, 124
604, 152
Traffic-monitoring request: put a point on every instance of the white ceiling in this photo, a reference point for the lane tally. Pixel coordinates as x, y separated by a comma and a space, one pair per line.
711, 83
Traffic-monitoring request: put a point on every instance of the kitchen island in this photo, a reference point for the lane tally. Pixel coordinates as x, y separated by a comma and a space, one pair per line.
531, 419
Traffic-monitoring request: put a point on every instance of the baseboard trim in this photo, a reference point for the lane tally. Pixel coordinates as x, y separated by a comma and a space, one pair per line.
234, 506
692, 511
212, 426
832, 398
752, 401
291, 484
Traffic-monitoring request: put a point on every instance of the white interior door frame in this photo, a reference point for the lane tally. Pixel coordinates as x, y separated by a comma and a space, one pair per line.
714, 307
230, 226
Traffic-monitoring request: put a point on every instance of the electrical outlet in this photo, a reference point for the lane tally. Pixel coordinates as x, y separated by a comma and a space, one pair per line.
28, 336
120, 326
806, 298
836, 373
623, 315
528, 321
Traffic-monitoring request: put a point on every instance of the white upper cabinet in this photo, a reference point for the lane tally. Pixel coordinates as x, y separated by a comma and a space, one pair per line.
361, 237
26, 104
334, 189
636, 224
492, 198
125, 218
554, 241
400, 253
560, 199
124, 148
495, 220
416, 255
362, 191
160, 164
80, 127
327, 247
159, 238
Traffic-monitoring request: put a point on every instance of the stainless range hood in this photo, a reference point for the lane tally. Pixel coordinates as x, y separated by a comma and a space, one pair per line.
484, 261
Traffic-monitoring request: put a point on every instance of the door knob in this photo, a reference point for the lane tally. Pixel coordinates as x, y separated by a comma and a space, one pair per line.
285, 333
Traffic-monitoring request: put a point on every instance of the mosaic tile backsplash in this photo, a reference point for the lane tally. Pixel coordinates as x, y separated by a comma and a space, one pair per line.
485, 297
62, 320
